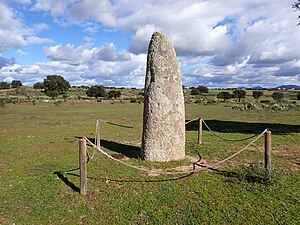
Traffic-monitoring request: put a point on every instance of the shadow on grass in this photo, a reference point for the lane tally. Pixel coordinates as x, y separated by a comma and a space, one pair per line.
107, 179
126, 150
244, 127
66, 181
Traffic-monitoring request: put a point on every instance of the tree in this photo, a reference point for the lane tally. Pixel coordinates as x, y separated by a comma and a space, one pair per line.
4, 85
257, 94
114, 94
39, 85
224, 95
239, 94
296, 6
195, 91
16, 84
199, 90
277, 95
96, 91
56, 83
202, 89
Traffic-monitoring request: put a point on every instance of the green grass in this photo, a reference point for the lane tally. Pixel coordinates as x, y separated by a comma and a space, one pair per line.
38, 143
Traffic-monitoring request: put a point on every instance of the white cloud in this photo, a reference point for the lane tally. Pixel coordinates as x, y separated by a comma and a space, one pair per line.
69, 53
14, 33
84, 54
8, 79
6, 62
56, 8
98, 10
21, 53
35, 69
39, 27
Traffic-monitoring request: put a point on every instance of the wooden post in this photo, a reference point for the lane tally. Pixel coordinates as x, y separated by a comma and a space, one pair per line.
97, 133
82, 165
268, 148
200, 130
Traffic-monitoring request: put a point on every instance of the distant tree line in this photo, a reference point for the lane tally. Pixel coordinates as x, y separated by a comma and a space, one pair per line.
55, 85
199, 90
239, 94
13, 84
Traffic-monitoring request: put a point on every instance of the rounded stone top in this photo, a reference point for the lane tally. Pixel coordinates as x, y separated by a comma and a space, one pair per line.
157, 35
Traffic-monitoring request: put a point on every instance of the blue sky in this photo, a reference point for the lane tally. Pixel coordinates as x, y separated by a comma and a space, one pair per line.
218, 43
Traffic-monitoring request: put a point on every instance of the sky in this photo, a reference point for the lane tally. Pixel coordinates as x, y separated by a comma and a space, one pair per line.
219, 44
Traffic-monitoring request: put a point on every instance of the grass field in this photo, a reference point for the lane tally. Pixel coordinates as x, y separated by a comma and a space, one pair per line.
39, 143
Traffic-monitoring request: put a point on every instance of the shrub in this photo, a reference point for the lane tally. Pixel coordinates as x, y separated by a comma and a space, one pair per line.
53, 94
2, 103
38, 85
4, 85
96, 91
265, 101
57, 103
210, 102
114, 94
257, 94
224, 95
254, 173
202, 89
16, 84
199, 90
195, 92
277, 95
298, 96
198, 101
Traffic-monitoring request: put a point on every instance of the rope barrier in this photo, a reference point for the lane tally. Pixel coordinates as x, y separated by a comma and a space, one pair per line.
179, 172
226, 139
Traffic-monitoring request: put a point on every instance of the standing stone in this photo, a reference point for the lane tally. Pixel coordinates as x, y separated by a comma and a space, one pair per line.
164, 114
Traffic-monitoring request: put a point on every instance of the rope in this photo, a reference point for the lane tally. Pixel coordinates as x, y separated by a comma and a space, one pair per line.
197, 118
87, 153
111, 157
179, 172
226, 139
114, 124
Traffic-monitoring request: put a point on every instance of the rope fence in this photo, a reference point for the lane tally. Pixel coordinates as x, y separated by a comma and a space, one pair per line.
173, 173
226, 139
96, 146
